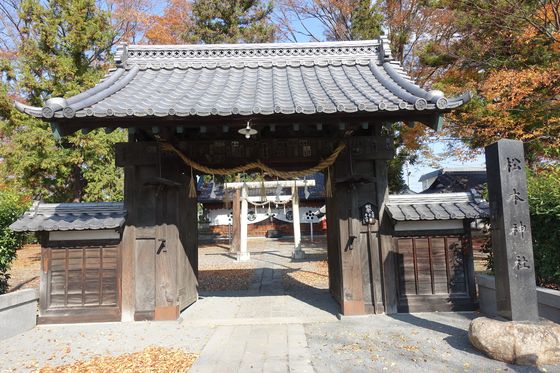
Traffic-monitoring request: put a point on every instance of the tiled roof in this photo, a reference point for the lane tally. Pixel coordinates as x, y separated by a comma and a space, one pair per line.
440, 206
249, 79
452, 180
71, 216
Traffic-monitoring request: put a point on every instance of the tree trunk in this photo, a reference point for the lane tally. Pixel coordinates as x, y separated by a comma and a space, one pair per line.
77, 184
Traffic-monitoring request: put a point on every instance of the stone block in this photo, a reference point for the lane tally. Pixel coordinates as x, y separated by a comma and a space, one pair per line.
548, 300
18, 312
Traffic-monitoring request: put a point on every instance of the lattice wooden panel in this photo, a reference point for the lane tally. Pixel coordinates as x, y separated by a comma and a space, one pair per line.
83, 277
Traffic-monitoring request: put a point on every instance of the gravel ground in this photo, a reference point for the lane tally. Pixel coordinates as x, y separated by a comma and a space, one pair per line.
26, 269
219, 270
422, 342
55, 345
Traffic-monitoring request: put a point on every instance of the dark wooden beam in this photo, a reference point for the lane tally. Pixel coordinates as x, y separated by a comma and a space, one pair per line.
235, 122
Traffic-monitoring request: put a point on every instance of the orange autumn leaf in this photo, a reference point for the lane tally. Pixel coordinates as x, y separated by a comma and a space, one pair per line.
170, 27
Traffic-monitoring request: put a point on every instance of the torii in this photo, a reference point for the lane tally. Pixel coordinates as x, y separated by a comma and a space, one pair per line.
243, 254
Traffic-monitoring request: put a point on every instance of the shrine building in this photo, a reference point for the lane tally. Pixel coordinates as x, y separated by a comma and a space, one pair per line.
285, 110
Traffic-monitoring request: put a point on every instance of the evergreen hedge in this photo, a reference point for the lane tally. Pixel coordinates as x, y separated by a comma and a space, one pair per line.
544, 204
11, 208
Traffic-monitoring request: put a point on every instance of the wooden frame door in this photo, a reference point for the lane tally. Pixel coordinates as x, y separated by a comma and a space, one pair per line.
434, 273
80, 283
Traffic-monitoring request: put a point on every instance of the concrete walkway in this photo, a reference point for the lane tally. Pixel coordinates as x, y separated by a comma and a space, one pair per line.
271, 327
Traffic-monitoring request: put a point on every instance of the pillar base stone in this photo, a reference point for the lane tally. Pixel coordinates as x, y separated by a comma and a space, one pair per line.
243, 257
298, 254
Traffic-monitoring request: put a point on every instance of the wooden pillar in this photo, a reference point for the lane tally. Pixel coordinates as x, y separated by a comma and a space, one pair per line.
298, 253
243, 254
361, 178
333, 246
351, 247
159, 241
385, 239
127, 250
235, 222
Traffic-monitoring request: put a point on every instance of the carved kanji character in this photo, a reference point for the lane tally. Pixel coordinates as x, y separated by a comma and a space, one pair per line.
517, 196
519, 228
521, 262
513, 164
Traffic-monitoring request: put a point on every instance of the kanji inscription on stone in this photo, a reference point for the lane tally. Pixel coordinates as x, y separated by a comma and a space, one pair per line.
516, 293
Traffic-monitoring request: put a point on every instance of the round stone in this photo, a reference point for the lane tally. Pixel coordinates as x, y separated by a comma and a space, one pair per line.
517, 342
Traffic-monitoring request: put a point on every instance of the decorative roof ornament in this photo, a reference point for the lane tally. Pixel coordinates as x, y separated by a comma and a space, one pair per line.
121, 54
385, 49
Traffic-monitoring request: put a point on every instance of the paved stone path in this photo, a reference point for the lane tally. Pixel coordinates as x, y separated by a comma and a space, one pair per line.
270, 327
256, 348
260, 329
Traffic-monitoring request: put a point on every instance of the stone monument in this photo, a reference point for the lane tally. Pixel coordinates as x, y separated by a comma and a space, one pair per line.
516, 292
525, 339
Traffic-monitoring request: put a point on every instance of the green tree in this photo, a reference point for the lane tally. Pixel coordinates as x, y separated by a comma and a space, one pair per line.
63, 49
11, 207
235, 21
366, 20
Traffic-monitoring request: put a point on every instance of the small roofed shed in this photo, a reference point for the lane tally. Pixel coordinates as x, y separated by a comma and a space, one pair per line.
80, 266
433, 244
304, 108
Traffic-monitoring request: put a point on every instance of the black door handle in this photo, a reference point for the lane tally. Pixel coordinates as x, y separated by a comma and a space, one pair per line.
161, 246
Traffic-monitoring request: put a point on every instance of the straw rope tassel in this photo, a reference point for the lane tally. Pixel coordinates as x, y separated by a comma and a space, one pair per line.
192, 187
227, 199
328, 186
263, 189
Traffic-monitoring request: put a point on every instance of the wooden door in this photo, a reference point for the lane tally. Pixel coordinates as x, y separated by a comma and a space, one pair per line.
80, 283
166, 299
433, 273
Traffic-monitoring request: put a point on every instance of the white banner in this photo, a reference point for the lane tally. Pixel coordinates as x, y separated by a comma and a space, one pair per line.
223, 216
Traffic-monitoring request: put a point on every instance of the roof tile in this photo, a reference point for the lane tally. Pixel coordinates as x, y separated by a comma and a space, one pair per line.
247, 79
441, 206
71, 216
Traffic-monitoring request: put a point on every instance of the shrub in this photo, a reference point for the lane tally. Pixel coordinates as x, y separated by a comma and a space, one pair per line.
544, 206
544, 203
11, 207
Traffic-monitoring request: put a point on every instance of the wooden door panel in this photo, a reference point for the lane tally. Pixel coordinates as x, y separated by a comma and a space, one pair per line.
78, 279
145, 277
430, 266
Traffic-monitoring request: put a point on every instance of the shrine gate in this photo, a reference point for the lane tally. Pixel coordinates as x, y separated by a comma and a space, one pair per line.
308, 106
